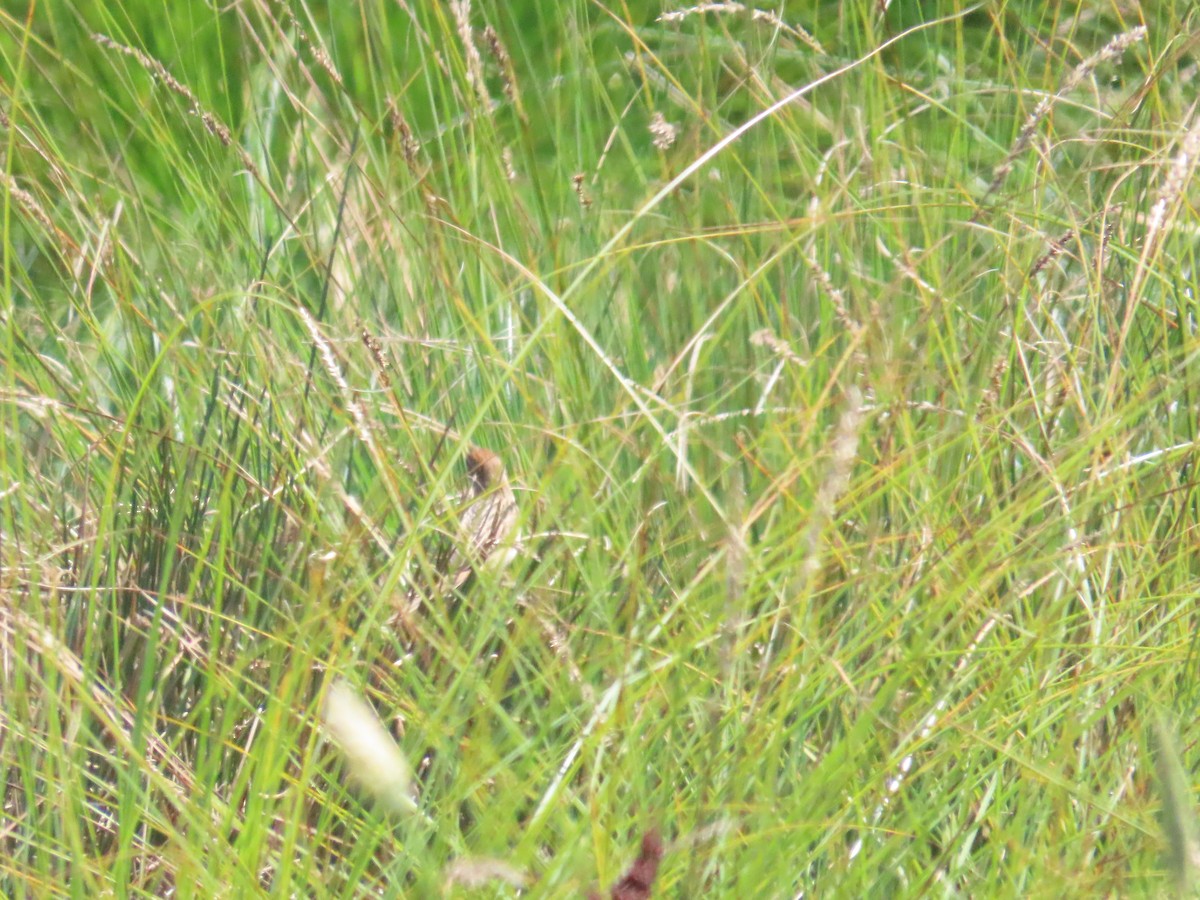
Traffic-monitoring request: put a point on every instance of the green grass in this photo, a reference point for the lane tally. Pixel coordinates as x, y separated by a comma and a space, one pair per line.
857, 484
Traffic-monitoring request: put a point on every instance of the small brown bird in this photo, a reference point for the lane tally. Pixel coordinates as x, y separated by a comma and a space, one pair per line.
487, 525
486, 536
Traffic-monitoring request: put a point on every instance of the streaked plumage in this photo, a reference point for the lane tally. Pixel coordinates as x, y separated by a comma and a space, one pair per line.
487, 524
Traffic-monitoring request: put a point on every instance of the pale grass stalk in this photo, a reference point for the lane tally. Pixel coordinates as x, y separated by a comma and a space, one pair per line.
557, 639
865, 409
764, 337
615, 131
1148, 456
843, 452
1178, 176
508, 75
682, 432
362, 428
102, 256
606, 705
319, 54
636, 392
1093, 603
656, 81
375, 762
768, 386
837, 480
359, 515
584, 274
1075, 542
919, 735
736, 552
1178, 814
756, 15
27, 202
214, 125
460, 11
334, 370
1113, 50
1056, 247
835, 294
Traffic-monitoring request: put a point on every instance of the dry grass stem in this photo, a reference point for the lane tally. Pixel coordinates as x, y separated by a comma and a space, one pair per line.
756, 15
214, 125
1057, 246
508, 76
577, 181
460, 10
410, 147
918, 736
843, 452
27, 202
334, 370
764, 337
319, 54
1178, 176
840, 305
1113, 50
837, 479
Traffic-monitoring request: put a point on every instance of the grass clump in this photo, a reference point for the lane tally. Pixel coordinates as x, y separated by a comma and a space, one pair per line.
839, 363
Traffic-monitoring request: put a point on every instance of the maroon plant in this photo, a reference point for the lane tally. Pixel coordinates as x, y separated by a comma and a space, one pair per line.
636, 883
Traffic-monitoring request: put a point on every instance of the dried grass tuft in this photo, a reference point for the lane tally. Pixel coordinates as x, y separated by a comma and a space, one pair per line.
664, 132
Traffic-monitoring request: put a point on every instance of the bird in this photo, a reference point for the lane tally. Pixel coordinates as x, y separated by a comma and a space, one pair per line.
487, 524
485, 537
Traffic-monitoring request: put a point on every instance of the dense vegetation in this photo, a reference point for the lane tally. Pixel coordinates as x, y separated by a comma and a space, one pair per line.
842, 359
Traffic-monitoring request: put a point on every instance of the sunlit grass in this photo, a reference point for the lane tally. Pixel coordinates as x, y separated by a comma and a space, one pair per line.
841, 365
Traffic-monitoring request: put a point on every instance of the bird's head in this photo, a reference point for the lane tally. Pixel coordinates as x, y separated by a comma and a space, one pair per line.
484, 468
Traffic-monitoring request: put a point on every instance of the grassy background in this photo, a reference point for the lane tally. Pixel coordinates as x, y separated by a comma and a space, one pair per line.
857, 481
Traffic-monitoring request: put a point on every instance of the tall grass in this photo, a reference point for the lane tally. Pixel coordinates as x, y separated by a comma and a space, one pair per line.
842, 360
